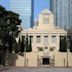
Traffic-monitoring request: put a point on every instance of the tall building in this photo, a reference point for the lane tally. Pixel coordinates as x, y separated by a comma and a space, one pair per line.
62, 10
25, 9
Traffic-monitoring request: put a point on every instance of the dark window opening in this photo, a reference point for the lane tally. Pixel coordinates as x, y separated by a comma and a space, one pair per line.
46, 61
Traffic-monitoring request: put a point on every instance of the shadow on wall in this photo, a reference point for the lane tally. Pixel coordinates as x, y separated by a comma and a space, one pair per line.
12, 59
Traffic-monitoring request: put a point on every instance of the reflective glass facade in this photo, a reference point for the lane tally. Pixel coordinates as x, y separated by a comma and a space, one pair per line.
25, 9
62, 10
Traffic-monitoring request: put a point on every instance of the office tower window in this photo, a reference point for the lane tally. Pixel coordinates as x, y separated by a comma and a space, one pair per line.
38, 39
26, 11
62, 10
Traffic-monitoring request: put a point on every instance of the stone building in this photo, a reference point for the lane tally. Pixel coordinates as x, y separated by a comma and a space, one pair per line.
45, 44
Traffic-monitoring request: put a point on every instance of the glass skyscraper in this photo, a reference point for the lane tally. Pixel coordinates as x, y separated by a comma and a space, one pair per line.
62, 10
25, 9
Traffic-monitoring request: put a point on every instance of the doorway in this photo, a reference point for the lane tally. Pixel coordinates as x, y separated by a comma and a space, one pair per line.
45, 61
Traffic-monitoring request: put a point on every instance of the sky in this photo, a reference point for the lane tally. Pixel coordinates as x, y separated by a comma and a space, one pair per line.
39, 5
5, 3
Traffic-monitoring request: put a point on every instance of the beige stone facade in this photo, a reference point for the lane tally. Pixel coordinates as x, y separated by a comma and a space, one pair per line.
45, 44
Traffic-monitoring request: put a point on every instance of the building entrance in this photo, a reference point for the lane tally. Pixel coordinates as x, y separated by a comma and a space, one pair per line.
45, 61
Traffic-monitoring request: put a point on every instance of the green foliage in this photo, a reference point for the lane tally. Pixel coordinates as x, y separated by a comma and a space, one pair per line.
17, 46
9, 24
63, 44
9, 30
40, 49
71, 45
25, 44
22, 44
28, 44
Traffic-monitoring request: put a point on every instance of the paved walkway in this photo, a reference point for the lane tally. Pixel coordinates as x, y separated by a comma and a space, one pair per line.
36, 69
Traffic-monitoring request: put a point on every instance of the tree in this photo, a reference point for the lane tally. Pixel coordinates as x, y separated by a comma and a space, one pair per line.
26, 44
69, 32
63, 44
22, 44
71, 45
9, 30
30, 45
17, 46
